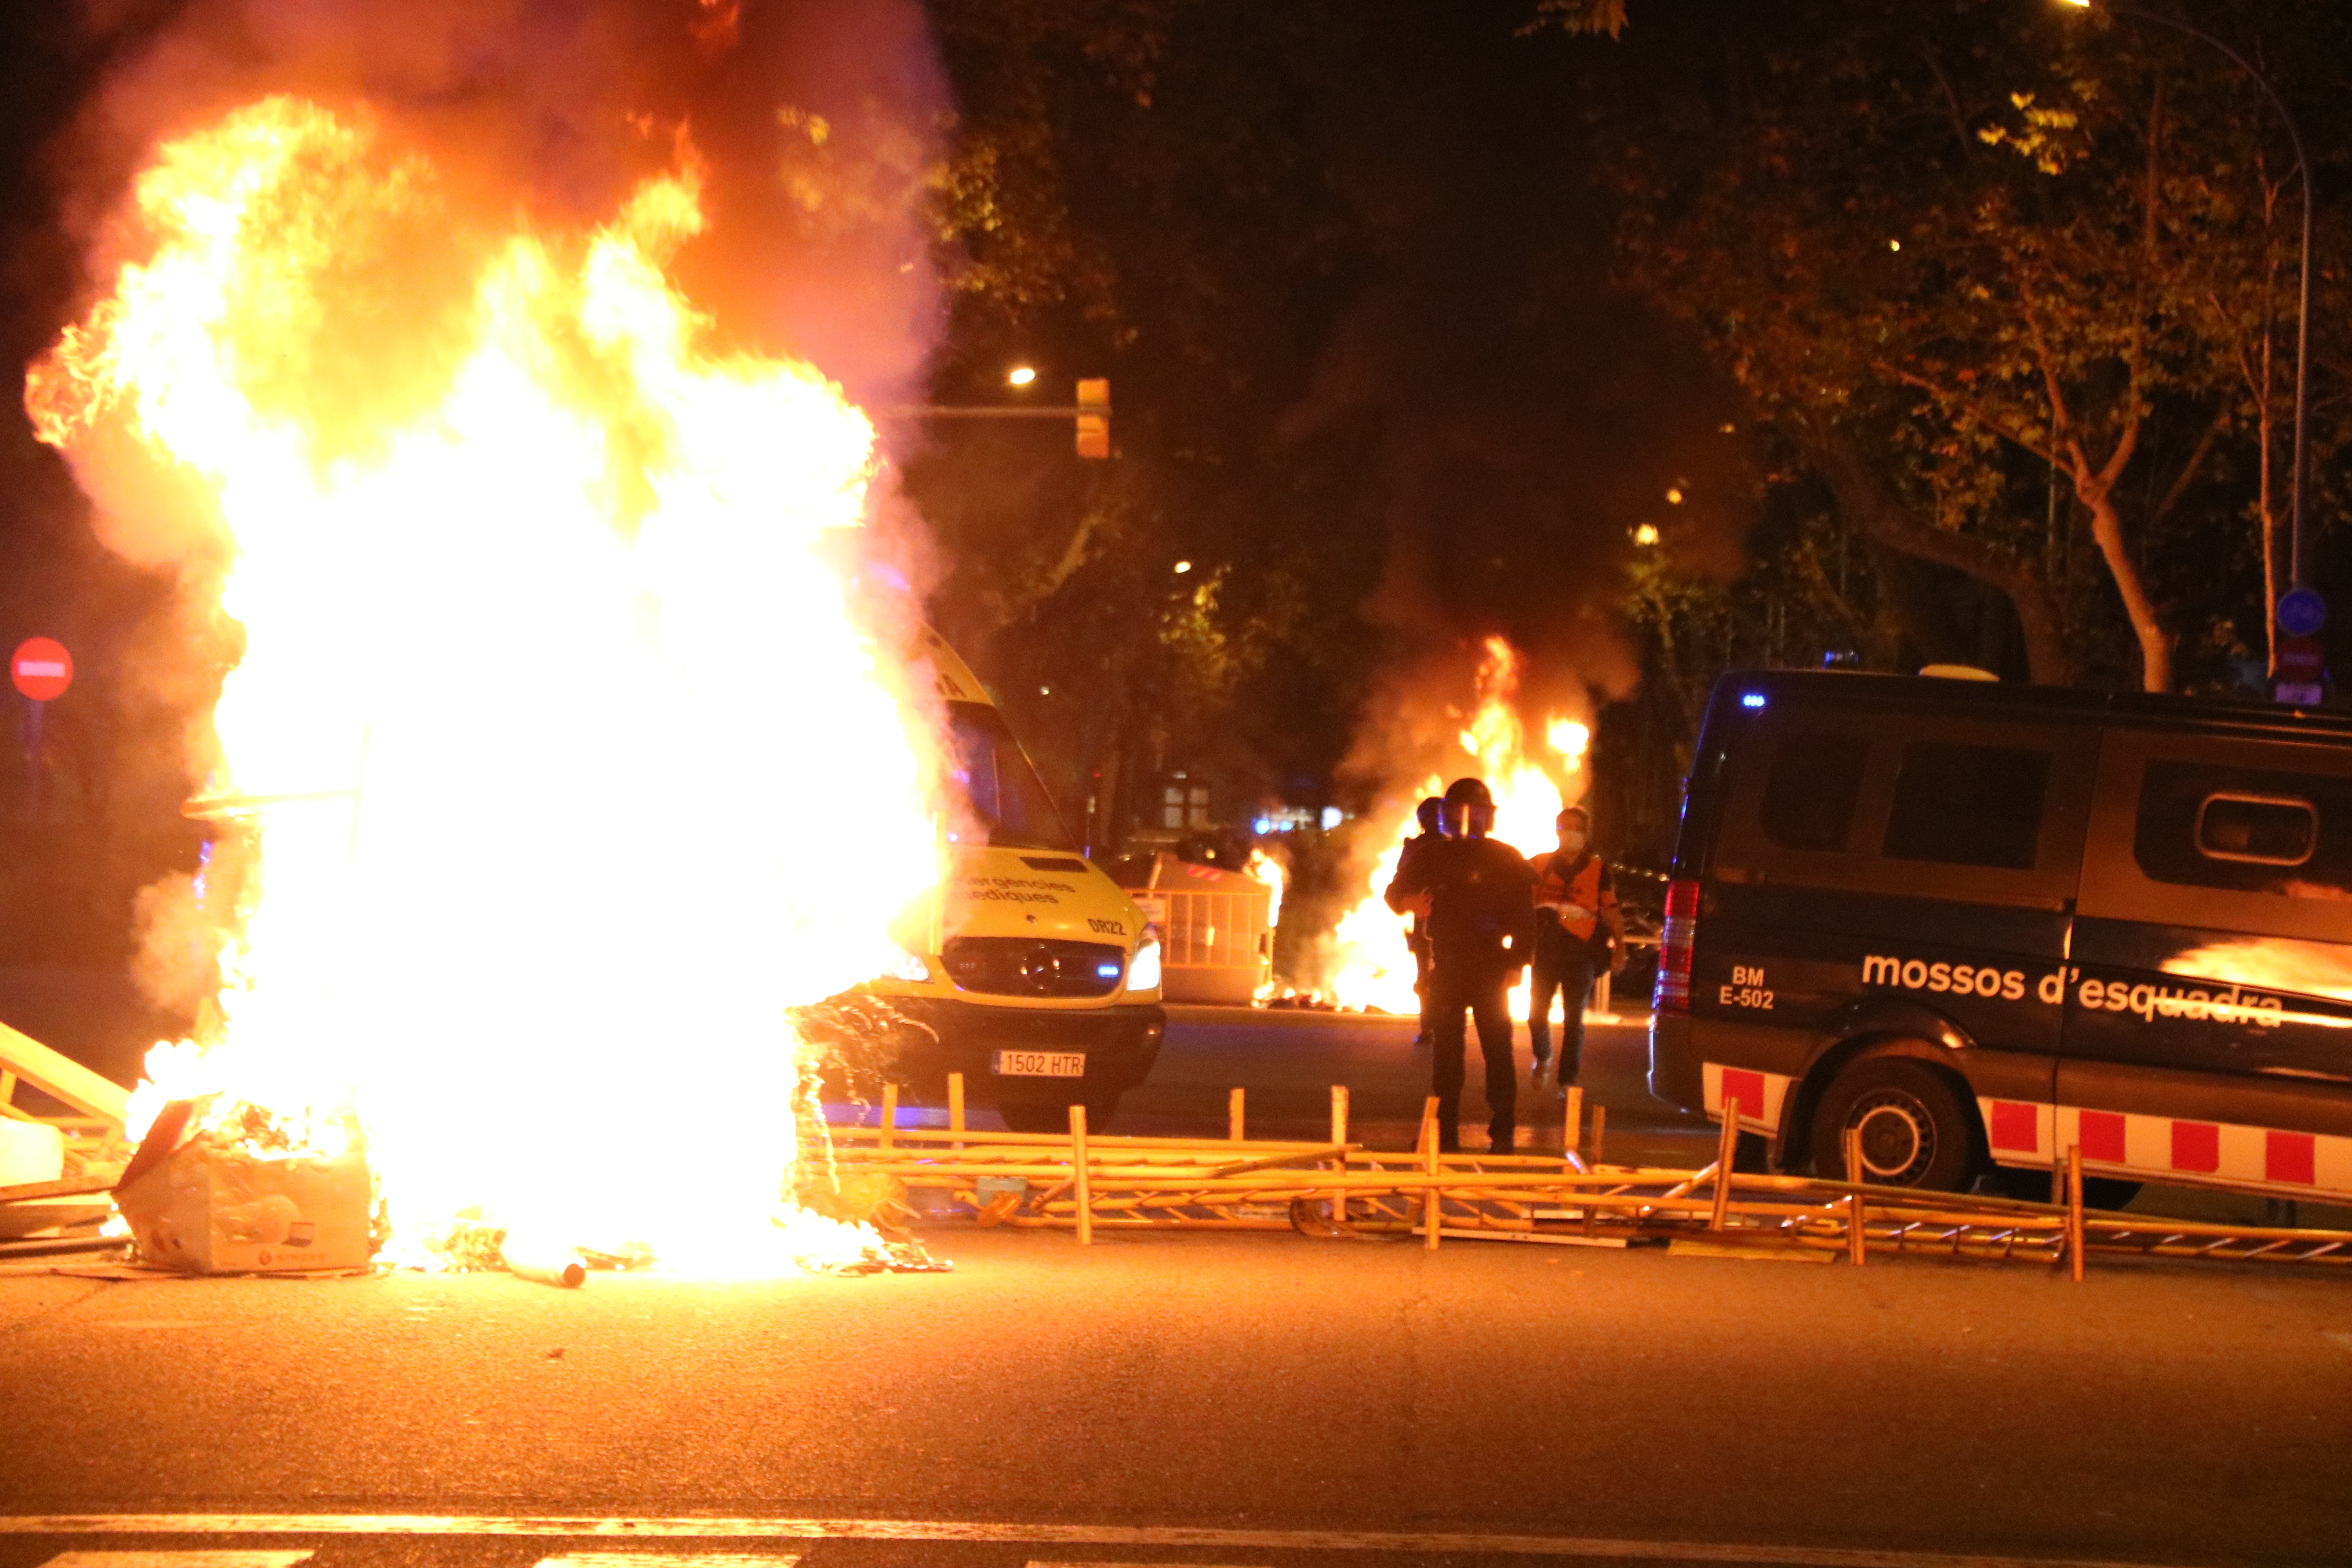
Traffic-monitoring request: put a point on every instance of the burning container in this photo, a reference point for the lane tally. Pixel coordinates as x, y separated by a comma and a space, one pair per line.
205, 1204
1215, 933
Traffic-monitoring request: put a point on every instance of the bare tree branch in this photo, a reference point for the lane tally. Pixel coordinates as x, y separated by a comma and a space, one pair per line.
2189, 470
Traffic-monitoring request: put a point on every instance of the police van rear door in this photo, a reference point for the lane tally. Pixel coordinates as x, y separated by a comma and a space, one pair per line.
2209, 1009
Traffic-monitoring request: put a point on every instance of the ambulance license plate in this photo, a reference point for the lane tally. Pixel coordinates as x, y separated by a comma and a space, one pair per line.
1040, 1064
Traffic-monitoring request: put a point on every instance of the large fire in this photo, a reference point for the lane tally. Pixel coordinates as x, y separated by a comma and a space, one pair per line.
555, 763
1370, 966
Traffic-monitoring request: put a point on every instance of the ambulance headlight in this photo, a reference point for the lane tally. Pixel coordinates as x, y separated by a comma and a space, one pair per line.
910, 967
1143, 969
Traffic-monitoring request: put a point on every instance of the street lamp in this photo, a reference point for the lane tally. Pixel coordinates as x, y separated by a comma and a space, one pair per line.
2299, 560
1022, 375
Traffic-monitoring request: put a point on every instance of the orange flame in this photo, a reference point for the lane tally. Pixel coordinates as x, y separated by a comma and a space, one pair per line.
544, 689
1276, 878
1371, 968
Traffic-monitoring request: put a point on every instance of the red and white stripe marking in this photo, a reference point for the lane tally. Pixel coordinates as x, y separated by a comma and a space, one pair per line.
1759, 1095
2034, 1133
2028, 1133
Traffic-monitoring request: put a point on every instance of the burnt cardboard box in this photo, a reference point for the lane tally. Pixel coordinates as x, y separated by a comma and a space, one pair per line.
210, 1207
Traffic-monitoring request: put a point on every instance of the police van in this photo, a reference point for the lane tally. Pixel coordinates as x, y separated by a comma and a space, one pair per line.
1980, 923
1032, 974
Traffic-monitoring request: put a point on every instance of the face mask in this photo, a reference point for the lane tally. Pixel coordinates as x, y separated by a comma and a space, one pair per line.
1573, 842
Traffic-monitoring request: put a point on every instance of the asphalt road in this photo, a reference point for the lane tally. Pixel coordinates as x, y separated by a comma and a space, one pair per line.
1202, 1400
1285, 1062
1265, 1384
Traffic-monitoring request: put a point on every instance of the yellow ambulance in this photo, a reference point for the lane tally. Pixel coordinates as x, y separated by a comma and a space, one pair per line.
1037, 978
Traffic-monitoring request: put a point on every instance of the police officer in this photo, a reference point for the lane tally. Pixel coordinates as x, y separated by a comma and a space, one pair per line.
1416, 938
1578, 928
1476, 897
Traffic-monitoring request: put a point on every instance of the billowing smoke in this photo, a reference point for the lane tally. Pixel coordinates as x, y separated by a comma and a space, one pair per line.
1533, 422
816, 121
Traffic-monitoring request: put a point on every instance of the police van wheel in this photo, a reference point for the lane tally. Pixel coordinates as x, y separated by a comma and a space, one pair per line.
1916, 1129
1054, 1115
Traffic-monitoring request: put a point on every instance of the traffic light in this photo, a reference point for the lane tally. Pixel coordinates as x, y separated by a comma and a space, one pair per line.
1094, 417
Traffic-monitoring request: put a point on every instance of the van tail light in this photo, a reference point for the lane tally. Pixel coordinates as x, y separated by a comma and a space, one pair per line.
1673, 992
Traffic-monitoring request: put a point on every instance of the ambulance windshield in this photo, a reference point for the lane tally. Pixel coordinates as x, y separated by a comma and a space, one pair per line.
1008, 807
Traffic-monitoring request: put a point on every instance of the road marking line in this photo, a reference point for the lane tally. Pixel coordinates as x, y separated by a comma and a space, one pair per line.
688, 1527
673, 1559
176, 1558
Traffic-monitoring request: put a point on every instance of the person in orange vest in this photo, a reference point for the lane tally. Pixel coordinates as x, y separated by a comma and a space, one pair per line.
1578, 928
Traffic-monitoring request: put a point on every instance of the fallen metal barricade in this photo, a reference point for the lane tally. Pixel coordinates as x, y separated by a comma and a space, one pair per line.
1083, 1182
95, 1105
55, 1170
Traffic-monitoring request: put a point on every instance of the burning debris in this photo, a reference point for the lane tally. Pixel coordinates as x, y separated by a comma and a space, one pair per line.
1275, 875
233, 1195
1365, 965
224, 1189
526, 772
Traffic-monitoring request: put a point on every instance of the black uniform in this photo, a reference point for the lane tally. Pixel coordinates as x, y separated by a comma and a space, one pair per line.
1481, 929
1417, 936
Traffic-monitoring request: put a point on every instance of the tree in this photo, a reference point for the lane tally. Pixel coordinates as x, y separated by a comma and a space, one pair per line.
1136, 190
1955, 258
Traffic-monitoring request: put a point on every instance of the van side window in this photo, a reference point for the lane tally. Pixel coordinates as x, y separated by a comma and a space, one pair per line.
1809, 792
1967, 805
2249, 830
2267, 830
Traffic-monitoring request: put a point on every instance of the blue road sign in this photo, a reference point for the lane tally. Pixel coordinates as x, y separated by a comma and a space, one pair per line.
2302, 612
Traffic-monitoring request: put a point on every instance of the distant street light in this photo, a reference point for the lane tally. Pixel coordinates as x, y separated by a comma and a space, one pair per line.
1646, 534
1022, 375
1182, 567
2299, 559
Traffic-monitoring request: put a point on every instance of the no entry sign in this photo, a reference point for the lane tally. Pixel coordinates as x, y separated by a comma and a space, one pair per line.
42, 668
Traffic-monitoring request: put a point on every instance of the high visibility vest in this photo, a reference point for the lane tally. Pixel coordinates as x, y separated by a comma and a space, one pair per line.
1581, 887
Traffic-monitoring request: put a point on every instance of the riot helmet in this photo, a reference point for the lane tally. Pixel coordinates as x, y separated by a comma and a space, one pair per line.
1428, 812
1468, 811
